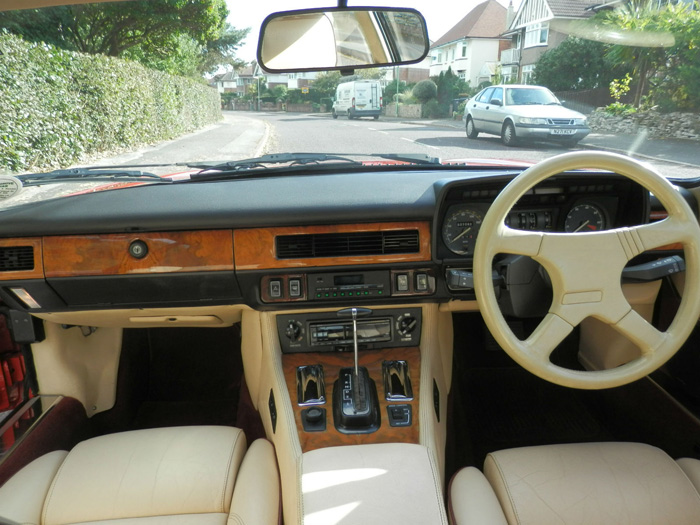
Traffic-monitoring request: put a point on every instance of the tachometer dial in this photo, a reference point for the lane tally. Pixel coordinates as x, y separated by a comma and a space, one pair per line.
584, 218
460, 228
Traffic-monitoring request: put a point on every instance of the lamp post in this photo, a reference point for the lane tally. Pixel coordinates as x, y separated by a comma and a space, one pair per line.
396, 72
258, 106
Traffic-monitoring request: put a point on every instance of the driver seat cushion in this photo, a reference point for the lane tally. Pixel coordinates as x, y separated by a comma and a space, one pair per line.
146, 477
589, 483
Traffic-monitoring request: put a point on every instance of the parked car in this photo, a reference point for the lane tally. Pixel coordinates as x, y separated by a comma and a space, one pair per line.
519, 113
341, 337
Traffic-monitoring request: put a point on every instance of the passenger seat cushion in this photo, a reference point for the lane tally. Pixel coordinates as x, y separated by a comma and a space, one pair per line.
154, 472
256, 497
472, 500
601, 483
22, 497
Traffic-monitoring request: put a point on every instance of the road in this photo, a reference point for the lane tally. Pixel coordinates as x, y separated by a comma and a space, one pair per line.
447, 140
247, 134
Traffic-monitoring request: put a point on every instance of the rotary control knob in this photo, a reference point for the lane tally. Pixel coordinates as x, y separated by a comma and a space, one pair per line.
406, 324
293, 331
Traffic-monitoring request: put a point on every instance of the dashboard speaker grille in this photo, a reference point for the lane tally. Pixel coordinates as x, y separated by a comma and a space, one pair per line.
347, 244
16, 258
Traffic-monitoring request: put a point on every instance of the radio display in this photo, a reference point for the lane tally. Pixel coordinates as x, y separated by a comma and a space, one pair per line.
344, 280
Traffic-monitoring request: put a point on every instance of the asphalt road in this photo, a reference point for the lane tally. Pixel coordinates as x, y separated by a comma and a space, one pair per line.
447, 140
247, 134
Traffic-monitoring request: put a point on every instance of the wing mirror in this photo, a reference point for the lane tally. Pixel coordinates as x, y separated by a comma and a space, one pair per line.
341, 38
496, 102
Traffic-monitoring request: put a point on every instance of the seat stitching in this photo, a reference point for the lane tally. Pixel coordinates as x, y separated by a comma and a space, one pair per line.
228, 471
507, 487
436, 486
236, 518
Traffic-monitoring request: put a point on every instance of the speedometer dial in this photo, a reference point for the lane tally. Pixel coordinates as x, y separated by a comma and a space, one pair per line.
460, 228
584, 218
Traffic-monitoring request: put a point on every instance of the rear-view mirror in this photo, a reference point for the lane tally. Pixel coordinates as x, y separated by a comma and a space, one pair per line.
341, 38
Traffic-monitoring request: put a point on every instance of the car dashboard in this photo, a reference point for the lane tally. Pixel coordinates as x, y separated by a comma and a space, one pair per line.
330, 239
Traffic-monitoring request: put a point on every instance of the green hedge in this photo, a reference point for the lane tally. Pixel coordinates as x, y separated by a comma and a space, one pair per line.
56, 106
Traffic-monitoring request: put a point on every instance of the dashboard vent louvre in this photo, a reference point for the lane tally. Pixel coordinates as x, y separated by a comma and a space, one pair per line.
16, 258
347, 244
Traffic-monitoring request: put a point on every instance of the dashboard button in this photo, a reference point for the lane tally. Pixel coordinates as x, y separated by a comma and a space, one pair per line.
402, 282
275, 288
294, 288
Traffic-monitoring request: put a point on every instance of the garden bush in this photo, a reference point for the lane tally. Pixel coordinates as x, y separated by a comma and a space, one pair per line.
57, 106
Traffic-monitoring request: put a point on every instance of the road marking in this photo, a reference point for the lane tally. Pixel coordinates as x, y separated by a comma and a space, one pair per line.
385, 132
373, 129
408, 140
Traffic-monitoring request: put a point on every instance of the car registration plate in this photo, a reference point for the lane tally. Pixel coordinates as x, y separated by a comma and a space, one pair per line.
563, 131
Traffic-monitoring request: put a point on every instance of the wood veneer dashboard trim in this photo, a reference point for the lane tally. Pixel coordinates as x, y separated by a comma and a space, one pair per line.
35, 273
255, 247
171, 252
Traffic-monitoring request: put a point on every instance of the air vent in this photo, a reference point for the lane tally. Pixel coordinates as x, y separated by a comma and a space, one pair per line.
16, 258
347, 244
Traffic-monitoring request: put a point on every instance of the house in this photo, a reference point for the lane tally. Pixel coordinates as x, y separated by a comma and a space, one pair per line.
236, 81
289, 80
532, 31
473, 41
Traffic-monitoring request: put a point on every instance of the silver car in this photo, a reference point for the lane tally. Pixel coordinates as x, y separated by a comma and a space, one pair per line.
523, 113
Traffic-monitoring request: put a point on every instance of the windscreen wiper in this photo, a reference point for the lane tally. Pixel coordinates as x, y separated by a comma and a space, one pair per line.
118, 174
264, 161
412, 158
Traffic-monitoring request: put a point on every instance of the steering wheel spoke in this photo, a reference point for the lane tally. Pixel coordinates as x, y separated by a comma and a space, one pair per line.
642, 333
517, 242
547, 336
668, 231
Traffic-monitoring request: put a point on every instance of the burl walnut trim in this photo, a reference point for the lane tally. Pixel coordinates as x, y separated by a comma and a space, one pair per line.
332, 363
91, 255
35, 273
255, 247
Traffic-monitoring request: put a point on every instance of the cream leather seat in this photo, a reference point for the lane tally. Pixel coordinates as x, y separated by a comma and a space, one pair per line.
183, 475
591, 483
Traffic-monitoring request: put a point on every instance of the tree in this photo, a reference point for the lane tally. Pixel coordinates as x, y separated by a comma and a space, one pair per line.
425, 90
158, 33
449, 86
577, 64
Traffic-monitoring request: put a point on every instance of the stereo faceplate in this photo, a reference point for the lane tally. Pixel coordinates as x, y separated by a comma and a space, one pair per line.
324, 332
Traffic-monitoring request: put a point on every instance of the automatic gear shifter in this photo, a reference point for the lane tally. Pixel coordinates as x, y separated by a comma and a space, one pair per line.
355, 403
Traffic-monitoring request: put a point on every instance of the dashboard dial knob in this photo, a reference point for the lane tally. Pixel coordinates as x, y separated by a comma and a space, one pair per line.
407, 324
293, 331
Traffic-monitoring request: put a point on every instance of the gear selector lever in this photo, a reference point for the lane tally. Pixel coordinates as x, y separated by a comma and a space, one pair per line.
355, 403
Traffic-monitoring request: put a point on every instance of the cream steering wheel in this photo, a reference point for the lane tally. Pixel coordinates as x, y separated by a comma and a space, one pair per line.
585, 270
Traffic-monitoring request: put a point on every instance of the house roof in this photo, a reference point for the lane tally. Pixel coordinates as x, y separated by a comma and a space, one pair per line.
487, 20
571, 8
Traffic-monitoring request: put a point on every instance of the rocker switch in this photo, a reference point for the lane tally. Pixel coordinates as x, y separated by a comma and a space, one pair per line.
294, 288
275, 288
402, 282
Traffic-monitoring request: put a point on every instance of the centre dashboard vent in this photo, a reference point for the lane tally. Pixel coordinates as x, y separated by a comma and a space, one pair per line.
16, 258
347, 244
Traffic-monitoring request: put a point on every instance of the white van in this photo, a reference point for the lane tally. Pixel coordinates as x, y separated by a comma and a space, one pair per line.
359, 98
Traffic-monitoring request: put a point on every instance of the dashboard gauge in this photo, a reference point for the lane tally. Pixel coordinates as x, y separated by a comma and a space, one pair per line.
584, 217
460, 228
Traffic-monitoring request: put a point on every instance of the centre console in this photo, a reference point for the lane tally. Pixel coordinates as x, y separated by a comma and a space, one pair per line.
349, 374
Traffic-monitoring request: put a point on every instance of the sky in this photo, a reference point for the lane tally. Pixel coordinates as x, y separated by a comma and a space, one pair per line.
440, 15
